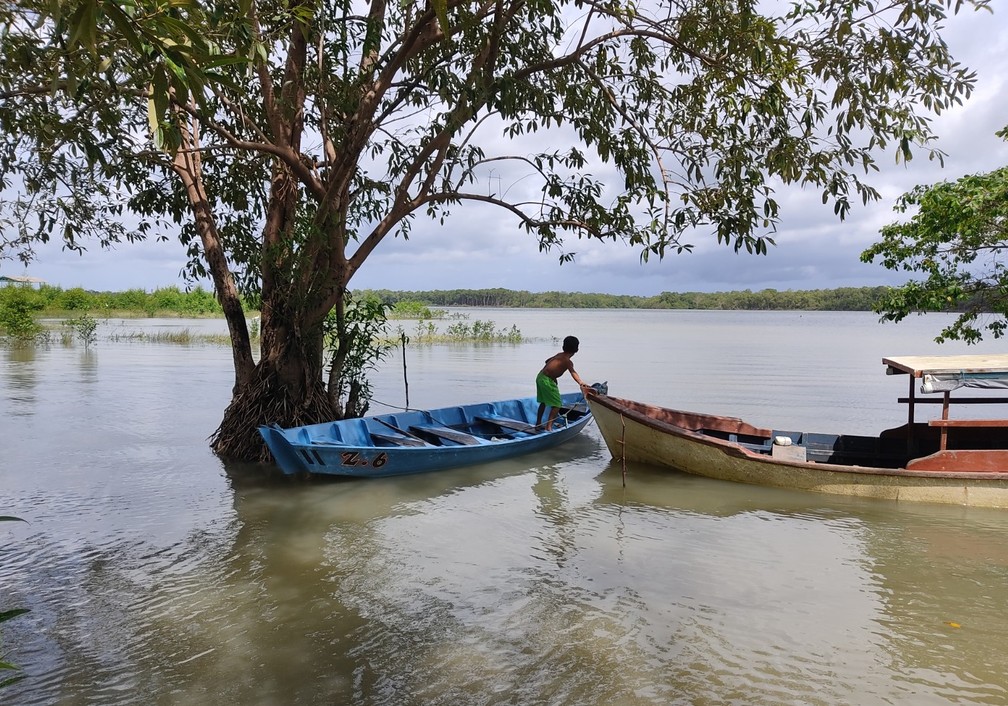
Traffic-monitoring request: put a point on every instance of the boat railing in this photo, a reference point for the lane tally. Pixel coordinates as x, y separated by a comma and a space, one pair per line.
957, 400
946, 424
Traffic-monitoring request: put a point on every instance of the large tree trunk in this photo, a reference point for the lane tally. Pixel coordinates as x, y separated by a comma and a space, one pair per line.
286, 388
300, 282
188, 167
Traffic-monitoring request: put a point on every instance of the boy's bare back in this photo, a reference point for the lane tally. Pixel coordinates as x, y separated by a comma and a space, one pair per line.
558, 365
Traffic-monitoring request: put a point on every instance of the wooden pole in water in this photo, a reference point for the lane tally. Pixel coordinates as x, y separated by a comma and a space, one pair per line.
405, 379
622, 443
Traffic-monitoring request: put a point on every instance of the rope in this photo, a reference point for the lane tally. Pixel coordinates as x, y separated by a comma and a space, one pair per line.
395, 406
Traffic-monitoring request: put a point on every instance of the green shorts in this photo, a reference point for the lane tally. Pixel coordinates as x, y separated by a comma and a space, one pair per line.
547, 391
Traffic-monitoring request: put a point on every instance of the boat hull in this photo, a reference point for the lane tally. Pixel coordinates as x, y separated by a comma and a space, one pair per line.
643, 433
413, 442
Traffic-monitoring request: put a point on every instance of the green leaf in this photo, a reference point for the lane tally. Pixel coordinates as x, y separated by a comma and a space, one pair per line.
84, 26
6, 615
441, 11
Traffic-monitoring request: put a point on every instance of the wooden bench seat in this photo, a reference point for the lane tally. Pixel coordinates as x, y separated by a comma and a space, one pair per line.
459, 437
968, 423
508, 423
398, 440
946, 424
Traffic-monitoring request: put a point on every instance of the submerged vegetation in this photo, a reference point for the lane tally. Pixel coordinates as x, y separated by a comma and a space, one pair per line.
183, 337
426, 333
22, 308
27, 313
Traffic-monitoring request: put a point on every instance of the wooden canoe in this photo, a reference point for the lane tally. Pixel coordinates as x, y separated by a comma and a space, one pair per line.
950, 461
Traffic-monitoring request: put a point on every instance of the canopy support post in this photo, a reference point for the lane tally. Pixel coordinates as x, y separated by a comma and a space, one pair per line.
910, 415
945, 413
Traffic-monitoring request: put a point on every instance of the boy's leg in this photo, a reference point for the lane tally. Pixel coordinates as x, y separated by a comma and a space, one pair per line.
539, 414
552, 416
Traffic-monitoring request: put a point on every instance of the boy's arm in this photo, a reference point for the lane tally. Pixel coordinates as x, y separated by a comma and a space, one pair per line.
573, 372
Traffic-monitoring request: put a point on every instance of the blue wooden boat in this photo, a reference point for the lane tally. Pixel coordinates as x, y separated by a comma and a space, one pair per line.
421, 441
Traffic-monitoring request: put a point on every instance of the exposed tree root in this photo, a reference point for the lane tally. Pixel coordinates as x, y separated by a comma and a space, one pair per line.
266, 400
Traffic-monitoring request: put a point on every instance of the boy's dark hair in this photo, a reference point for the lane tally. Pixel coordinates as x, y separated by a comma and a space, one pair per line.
570, 344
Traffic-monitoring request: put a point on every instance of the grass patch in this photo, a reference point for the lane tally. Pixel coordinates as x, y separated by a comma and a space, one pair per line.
185, 337
428, 333
83, 328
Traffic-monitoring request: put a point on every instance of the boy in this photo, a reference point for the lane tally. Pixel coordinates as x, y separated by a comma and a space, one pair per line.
547, 391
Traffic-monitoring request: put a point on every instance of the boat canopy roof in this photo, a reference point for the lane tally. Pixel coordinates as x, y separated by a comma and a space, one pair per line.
943, 373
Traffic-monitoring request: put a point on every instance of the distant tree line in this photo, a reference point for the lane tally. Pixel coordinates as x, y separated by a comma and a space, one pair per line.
842, 299
166, 301
172, 301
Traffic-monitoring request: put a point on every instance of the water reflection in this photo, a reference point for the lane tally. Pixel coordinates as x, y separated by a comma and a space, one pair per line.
937, 573
89, 366
20, 378
915, 582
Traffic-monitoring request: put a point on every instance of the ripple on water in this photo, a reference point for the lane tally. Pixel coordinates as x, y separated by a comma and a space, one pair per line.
154, 577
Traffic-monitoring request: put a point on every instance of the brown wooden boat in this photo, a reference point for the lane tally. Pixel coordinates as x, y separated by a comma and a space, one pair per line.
946, 460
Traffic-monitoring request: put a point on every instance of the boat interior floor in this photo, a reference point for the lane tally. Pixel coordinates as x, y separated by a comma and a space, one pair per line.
840, 449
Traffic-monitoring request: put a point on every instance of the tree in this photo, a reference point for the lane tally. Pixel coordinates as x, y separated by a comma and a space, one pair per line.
956, 239
287, 140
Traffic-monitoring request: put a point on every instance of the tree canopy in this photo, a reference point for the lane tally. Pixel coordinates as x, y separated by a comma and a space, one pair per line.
282, 142
956, 240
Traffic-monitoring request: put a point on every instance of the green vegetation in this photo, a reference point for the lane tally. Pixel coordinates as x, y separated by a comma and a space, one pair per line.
408, 308
280, 143
6, 666
427, 333
18, 307
85, 327
842, 299
366, 318
185, 337
21, 306
356, 340
56, 302
955, 242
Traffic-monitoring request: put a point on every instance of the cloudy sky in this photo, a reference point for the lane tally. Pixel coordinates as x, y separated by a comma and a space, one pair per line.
479, 248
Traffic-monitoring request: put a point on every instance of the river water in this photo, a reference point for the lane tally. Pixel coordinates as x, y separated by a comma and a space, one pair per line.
156, 574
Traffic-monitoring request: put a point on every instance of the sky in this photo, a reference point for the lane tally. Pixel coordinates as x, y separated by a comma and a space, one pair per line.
482, 248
